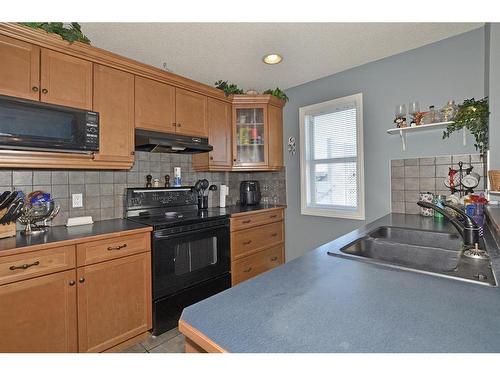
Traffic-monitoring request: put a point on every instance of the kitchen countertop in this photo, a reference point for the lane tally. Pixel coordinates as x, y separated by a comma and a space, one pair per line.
237, 209
322, 303
68, 235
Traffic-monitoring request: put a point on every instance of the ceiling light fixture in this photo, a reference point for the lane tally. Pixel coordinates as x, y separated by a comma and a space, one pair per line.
272, 59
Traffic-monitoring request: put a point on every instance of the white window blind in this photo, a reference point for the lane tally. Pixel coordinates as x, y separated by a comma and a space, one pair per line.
331, 158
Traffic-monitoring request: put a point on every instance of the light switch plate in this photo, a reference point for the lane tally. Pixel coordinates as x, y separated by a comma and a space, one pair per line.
77, 200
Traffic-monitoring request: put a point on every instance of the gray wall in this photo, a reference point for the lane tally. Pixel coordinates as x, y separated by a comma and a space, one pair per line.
449, 69
494, 94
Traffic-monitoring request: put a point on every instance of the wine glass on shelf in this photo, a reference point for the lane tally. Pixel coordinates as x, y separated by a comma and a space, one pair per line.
400, 110
400, 114
414, 109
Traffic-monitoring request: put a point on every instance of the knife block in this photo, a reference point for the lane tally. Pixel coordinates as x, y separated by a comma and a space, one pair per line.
7, 230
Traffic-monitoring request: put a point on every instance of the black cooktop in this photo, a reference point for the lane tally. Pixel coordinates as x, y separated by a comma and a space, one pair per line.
167, 207
177, 218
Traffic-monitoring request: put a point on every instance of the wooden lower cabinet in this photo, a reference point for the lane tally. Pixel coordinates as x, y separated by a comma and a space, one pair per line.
114, 302
255, 264
39, 314
54, 305
257, 243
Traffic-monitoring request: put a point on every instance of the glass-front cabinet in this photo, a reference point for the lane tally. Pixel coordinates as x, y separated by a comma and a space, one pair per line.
250, 135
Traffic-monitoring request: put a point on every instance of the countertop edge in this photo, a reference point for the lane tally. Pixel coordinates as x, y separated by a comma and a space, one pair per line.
199, 338
259, 210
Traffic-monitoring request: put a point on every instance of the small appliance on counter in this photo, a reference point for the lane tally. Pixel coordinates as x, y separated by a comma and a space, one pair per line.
249, 193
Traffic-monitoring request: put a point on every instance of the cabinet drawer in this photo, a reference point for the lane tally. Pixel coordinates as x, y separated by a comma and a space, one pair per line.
253, 265
255, 219
249, 241
115, 247
37, 263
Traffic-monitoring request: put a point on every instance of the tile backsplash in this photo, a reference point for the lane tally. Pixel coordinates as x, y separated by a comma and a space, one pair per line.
409, 177
103, 191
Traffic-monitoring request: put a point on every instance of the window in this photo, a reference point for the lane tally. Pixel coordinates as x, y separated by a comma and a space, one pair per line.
331, 158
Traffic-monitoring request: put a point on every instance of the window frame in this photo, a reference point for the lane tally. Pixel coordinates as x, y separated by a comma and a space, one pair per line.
306, 171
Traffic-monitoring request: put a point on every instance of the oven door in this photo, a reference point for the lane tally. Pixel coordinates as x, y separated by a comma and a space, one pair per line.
184, 259
31, 125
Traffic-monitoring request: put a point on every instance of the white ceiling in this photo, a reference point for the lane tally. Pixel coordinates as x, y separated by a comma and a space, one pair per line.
207, 52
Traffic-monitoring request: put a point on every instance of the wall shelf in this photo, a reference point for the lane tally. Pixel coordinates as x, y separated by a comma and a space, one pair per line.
416, 129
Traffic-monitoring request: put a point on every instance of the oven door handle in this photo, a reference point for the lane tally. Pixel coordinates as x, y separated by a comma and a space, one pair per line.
160, 236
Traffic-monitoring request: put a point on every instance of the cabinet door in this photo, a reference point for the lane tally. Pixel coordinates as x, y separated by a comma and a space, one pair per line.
190, 113
39, 314
219, 136
65, 80
114, 100
250, 136
114, 302
154, 105
275, 125
19, 69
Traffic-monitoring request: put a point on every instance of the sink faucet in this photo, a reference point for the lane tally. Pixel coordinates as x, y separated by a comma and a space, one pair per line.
467, 228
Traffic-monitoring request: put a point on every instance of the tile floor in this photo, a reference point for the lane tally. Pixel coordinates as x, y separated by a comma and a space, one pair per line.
170, 342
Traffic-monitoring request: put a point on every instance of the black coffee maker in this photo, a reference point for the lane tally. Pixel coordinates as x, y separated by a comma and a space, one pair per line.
249, 193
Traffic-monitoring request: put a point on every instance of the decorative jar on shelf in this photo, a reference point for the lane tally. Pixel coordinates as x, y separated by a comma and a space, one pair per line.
449, 111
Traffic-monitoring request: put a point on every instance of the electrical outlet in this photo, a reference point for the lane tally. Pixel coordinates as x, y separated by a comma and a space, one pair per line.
77, 200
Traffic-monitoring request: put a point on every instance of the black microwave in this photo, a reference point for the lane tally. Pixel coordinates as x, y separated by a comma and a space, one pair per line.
32, 125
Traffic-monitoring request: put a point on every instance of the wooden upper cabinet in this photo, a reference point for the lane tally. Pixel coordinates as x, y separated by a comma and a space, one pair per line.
154, 105
219, 132
114, 100
19, 69
39, 314
114, 302
190, 113
65, 80
275, 124
219, 136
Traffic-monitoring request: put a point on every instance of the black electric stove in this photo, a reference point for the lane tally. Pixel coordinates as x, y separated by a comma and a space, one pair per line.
190, 249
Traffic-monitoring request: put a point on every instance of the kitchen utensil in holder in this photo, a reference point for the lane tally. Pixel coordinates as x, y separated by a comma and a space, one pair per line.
202, 202
36, 218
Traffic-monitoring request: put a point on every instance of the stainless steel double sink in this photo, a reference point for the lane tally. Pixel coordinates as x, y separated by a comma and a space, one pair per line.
437, 253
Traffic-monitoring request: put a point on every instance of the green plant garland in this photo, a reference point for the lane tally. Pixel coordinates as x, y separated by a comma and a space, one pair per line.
277, 92
73, 33
228, 88
473, 115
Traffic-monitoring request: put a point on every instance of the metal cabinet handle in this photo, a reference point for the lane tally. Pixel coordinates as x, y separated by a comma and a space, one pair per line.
274, 234
247, 242
179, 125
119, 247
273, 259
24, 266
35, 89
246, 221
72, 282
234, 159
248, 269
45, 91
81, 280
211, 158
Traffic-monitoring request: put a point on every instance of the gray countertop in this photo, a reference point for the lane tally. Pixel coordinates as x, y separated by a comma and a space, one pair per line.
63, 233
236, 209
322, 303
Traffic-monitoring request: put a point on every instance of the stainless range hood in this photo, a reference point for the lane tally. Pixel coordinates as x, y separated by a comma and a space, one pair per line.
150, 141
